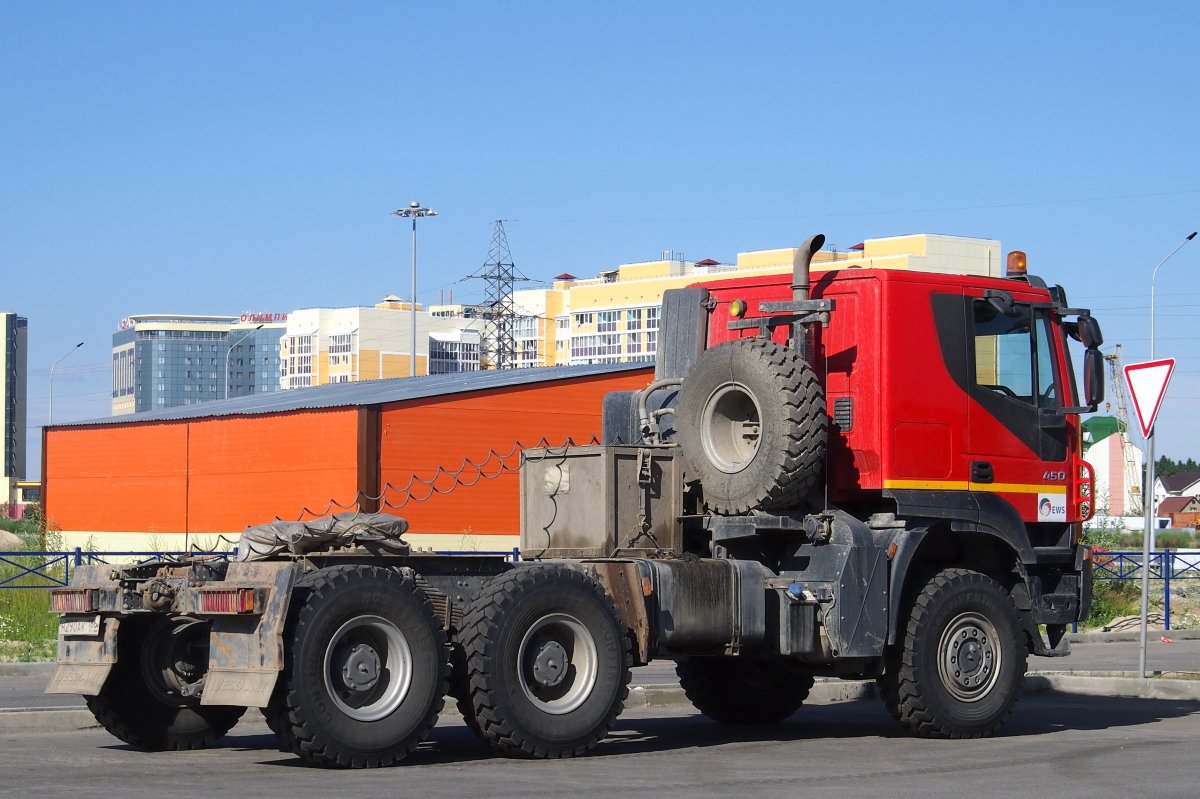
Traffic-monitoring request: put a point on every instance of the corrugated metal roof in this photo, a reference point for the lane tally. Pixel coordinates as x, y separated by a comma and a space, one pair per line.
367, 392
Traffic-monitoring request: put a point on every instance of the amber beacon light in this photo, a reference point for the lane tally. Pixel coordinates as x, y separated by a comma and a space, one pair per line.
1016, 264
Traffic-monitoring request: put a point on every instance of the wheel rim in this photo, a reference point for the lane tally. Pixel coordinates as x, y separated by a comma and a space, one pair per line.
175, 658
969, 657
730, 427
368, 668
557, 664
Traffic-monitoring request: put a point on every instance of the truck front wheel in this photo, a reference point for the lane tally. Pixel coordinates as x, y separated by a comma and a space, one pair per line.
547, 661
366, 669
739, 690
960, 666
141, 702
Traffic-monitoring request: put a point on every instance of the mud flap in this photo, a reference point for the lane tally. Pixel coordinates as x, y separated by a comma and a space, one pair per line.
84, 663
245, 653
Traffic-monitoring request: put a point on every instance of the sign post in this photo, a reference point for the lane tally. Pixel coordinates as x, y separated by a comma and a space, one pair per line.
1147, 386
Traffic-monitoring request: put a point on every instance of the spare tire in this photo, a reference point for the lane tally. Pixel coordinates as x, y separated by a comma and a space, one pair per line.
751, 426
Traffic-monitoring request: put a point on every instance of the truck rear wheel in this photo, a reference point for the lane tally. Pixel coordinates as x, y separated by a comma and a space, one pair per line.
738, 690
366, 669
961, 664
460, 689
140, 702
548, 661
750, 423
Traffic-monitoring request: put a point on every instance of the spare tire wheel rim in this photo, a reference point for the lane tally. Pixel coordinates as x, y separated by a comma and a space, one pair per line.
731, 427
368, 668
557, 664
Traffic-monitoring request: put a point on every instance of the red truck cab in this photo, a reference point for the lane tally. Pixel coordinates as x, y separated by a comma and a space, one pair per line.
937, 382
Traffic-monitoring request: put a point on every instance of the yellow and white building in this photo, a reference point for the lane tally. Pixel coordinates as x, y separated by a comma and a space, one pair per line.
615, 316
345, 345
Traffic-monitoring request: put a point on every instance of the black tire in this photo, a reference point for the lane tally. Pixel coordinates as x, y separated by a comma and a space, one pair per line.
460, 689
943, 680
751, 425
371, 627
526, 623
129, 709
739, 690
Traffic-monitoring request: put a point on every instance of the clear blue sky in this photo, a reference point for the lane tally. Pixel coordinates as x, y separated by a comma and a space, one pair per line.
225, 157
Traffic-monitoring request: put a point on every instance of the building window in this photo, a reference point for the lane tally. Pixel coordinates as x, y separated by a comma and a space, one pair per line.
633, 319
585, 319
652, 317
448, 357
299, 361
606, 321
651, 341
525, 327
562, 323
633, 342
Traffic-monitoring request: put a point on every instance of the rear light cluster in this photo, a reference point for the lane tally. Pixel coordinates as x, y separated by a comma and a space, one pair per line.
238, 600
71, 600
1084, 489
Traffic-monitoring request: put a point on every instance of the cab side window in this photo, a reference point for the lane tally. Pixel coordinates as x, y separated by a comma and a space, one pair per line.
1013, 356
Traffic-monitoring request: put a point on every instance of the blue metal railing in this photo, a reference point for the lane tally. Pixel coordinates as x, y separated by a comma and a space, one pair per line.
1164, 565
54, 569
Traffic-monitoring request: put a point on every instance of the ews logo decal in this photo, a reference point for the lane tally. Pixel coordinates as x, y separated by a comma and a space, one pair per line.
1052, 508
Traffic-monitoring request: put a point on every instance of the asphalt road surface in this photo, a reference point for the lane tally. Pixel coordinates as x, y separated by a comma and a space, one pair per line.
1181, 656
1053, 745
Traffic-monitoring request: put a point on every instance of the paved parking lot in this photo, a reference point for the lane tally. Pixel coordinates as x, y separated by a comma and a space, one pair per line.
1053, 746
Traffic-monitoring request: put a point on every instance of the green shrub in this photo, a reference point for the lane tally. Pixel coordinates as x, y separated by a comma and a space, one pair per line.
25, 612
1175, 539
1114, 598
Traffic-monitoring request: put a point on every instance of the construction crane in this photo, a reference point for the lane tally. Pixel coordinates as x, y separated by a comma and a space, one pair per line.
1133, 469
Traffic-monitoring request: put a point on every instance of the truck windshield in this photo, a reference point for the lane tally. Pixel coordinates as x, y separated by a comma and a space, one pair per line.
1013, 356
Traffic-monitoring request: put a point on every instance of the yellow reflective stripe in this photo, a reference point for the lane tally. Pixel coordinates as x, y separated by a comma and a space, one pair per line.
960, 485
931, 485
1018, 488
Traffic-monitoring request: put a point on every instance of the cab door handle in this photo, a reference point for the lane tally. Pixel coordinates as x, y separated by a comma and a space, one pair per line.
981, 472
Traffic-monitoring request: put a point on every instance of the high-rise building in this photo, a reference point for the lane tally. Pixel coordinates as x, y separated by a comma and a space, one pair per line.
12, 413
163, 360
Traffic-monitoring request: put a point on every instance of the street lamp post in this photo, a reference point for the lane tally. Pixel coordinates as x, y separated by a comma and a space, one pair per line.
415, 212
1149, 487
229, 351
56, 363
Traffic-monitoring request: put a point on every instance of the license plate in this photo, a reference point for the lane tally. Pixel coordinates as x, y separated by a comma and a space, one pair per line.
85, 626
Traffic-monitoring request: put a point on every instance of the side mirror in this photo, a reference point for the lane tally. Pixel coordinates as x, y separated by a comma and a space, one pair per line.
1089, 331
1002, 301
1093, 374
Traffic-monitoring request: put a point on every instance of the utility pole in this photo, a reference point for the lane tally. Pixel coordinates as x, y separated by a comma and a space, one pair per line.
229, 352
56, 363
1148, 491
499, 276
414, 211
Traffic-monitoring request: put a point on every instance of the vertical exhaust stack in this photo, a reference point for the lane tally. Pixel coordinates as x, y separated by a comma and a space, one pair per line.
800, 279
801, 288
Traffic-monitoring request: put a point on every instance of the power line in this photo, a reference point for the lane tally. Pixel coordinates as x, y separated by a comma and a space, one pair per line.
882, 213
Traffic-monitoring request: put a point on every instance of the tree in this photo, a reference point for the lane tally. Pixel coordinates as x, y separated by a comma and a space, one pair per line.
1165, 467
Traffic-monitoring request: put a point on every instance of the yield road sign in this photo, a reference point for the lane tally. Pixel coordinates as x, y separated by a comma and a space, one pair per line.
1147, 385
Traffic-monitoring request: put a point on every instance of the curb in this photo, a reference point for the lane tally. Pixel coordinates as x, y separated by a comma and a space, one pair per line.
830, 691
45, 719
1126, 636
822, 693
69, 719
27, 669
1126, 687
